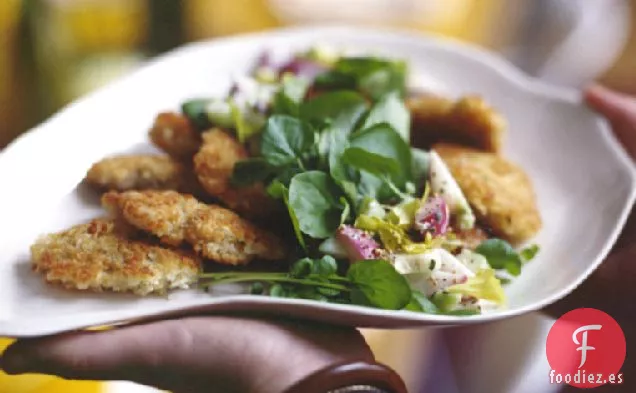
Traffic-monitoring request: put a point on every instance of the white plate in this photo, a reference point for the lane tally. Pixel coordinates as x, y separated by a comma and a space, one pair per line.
584, 180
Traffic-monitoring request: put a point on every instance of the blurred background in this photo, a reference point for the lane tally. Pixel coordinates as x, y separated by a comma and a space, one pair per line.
53, 51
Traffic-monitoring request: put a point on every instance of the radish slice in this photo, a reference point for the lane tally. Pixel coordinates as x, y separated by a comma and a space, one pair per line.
433, 216
358, 243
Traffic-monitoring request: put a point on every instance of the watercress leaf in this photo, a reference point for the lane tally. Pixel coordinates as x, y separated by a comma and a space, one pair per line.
277, 290
250, 171
504, 280
285, 140
277, 190
302, 268
379, 83
350, 190
372, 186
335, 140
292, 292
413, 305
335, 80
325, 266
379, 284
374, 182
312, 294
513, 268
291, 93
500, 255
358, 297
528, 253
359, 66
419, 167
420, 303
383, 140
330, 106
195, 111
295, 224
374, 77
391, 110
324, 145
403, 194
256, 288
337, 145
313, 197
330, 292
285, 174
376, 84
247, 122
425, 303
370, 162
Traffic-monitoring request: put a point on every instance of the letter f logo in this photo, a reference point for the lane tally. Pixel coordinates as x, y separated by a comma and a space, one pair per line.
583, 344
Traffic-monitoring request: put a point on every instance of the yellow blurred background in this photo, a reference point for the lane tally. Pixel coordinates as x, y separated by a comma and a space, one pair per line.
53, 51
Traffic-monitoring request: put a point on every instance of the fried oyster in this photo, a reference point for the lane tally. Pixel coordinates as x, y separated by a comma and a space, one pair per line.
214, 232
469, 121
136, 172
106, 255
214, 164
498, 190
174, 134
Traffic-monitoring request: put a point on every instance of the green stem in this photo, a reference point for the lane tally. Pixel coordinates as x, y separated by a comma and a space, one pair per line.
279, 279
256, 276
338, 278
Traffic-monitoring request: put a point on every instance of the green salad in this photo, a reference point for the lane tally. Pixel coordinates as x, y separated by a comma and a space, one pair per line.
374, 219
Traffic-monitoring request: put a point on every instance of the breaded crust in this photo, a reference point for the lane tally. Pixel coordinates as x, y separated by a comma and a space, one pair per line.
102, 255
214, 164
499, 191
174, 134
136, 172
214, 232
470, 121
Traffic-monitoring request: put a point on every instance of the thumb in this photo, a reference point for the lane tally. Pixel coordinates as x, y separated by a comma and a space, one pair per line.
196, 354
620, 111
616, 107
155, 354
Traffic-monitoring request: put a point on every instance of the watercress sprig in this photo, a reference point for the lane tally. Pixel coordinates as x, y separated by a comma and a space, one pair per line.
502, 255
372, 283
